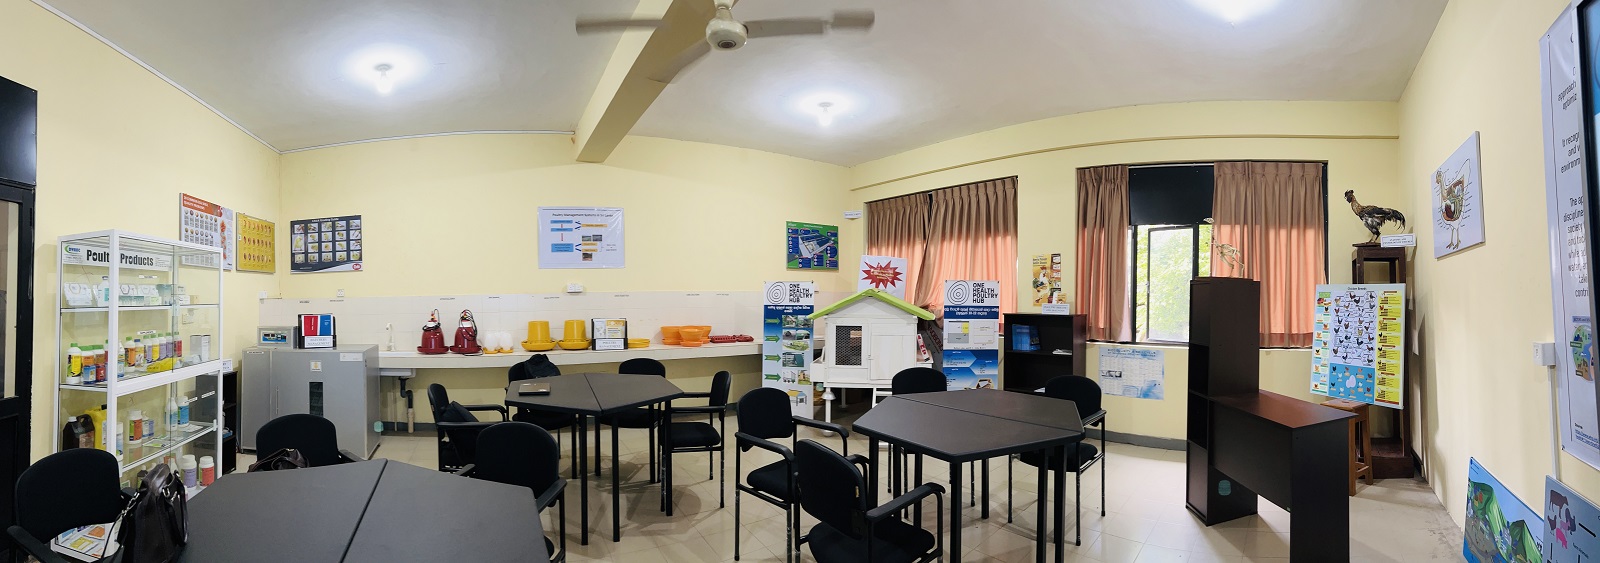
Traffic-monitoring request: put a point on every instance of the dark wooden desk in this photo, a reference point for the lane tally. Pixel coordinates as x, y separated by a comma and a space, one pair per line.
597, 395
1295, 454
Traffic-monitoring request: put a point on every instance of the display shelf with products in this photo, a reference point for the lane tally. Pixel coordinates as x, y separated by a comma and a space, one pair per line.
139, 350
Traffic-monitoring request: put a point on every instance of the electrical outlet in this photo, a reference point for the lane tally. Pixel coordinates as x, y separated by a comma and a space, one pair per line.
262, 295
1544, 353
339, 293
574, 288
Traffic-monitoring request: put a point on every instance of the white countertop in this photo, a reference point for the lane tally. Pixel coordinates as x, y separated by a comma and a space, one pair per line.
410, 359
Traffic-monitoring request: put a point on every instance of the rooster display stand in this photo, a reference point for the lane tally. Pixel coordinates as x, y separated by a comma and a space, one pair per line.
870, 336
1393, 457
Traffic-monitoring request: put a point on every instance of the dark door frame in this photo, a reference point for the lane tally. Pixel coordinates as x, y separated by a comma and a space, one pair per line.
19, 406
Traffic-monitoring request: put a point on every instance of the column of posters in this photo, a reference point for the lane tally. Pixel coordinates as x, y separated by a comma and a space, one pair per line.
205, 223
1140, 373
786, 341
257, 245
971, 334
580, 237
812, 246
1358, 343
1568, 208
329, 244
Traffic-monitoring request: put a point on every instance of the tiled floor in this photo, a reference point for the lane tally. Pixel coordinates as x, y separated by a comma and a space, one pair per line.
1145, 518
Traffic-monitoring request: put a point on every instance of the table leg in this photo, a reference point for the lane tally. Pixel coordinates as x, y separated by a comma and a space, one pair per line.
597, 448
616, 491
872, 478
1061, 505
985, 489
916, 481
666, 468
955, 512
1039, 523
583, 471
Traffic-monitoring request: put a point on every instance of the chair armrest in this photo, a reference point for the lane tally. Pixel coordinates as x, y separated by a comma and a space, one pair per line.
746, 441
894, 506
350, 457
463, 425
820, 425
551, 494
695, 395
699, 410
858, 459
497, 408
33, 546
1094, 418
466, 470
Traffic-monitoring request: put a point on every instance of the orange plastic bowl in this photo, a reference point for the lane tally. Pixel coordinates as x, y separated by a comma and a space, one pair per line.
691, 334
670, 332
692, 343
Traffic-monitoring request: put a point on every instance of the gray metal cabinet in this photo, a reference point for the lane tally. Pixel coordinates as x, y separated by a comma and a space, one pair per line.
340, 384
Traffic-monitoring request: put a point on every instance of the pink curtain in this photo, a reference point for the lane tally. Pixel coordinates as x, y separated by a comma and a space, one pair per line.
972, 235
899, 227
1102, 292
1270, 216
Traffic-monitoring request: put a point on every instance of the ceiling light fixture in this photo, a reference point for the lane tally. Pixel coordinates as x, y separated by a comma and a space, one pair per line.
384, 82
824, 118
1235, 11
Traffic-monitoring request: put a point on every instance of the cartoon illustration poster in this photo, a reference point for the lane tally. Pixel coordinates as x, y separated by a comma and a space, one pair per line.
328, 244
812, 246
1567, 207
971, 334
1458, 201
883, 272
786, 341
1570, 525
1500, 527
580, 237
1358, 343
1047, 279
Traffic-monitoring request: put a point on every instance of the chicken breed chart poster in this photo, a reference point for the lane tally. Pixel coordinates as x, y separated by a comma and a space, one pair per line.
786, 341
329, 244
971, 334
580, 237
1358, 343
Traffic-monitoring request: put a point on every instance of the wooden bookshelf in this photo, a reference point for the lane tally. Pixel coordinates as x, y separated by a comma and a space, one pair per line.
1062, 350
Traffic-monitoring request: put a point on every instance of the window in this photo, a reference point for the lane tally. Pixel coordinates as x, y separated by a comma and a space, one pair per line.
1169, 209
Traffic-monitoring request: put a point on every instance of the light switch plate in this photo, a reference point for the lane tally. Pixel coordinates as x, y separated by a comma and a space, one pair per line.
1544, 353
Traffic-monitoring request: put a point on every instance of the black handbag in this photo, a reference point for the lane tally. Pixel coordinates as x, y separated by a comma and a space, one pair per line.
287, 458
155, 524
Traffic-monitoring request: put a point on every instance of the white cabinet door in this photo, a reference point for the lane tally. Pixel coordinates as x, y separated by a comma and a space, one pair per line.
850, 348
894, 348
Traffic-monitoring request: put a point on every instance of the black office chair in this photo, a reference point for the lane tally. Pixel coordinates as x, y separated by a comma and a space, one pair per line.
315, 437
456, 428
66, 490
763, 417
535, 367
690, 437
643, 417
834, 491
1086, 394
525, 455
912, 380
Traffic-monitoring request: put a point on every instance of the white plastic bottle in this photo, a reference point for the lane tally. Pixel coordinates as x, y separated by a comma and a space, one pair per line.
172, 416
74, 370
149, 427
135, 427
183, 412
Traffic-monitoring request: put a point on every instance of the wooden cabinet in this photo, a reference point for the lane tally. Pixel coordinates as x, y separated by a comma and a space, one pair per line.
1224, 359
1060, 349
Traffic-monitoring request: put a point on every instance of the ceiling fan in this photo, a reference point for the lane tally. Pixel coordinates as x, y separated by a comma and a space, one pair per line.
723, 33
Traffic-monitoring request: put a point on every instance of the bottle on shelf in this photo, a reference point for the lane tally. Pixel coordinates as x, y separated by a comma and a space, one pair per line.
208, 471
74, 364
169, 348
86, 365
117, 437
149, 427
183, 412
190, 470
172, 416
139, 357
135, 427
177, 346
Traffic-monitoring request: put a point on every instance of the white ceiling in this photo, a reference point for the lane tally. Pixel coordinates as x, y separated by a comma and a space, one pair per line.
930, 70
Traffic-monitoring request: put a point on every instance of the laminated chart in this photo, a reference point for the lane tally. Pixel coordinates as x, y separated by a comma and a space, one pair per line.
1358, 343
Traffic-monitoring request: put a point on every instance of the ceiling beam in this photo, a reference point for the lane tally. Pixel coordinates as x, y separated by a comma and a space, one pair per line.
626, 88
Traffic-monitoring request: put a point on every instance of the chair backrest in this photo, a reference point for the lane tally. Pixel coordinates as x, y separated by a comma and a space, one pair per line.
517, 453
918, 380
764, 413
643, 366
1078, 389
719, 389
536, 366
68, 489
830, 486
438, 399
315, 437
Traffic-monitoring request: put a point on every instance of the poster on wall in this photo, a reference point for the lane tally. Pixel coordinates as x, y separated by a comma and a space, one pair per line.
883, 272
786, 341
1358, 343
1139, 373
329, 244
1047, 280
1500, 527
205, 223
812, 246
257, 245
580, 237
1567, 205
1570, 524
1458, 201
971, 334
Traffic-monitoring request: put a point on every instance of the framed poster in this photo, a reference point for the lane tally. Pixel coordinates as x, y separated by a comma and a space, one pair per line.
205, 223
1358, 343
328, 244
1458, 201
812, 246
580, 237
257, 245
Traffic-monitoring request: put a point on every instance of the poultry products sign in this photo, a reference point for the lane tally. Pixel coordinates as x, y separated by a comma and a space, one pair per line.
1358, 343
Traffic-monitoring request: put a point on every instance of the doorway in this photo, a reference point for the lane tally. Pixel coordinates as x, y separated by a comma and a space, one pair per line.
18, 174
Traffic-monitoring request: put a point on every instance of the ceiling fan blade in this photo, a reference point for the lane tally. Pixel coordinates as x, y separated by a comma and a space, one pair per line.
852, 20
787, 26
596, 25
682, 62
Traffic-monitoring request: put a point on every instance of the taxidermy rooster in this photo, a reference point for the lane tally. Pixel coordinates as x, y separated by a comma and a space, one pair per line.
1373, 216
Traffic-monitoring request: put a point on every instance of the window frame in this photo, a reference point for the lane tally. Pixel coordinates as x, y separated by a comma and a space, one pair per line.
1133, 286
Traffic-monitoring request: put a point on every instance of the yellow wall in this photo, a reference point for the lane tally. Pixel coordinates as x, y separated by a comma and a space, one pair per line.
116, 147
1479, 310
457, 214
